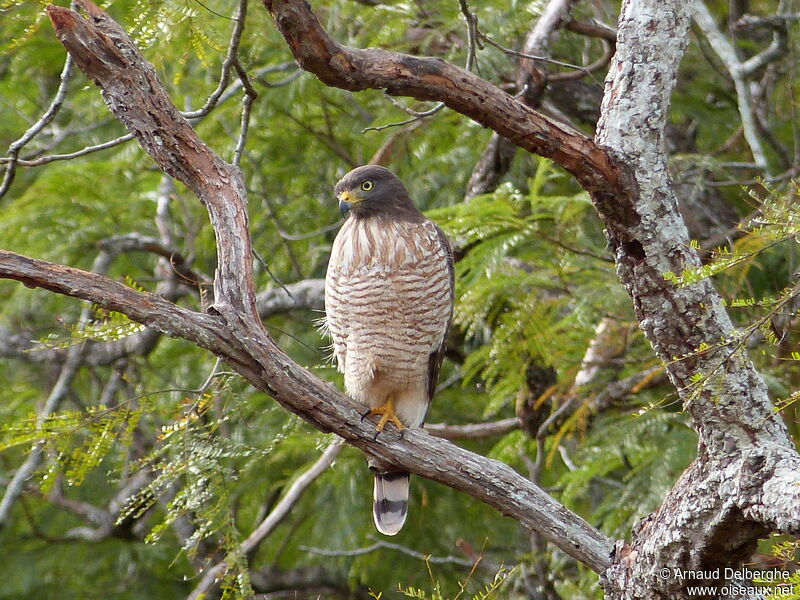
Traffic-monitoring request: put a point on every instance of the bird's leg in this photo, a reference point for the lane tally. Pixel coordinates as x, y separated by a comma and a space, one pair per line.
386, 411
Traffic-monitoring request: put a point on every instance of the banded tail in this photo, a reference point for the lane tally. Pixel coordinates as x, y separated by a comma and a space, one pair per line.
391, 501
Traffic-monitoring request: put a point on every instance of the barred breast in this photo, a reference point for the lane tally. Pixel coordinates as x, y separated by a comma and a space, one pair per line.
388, 301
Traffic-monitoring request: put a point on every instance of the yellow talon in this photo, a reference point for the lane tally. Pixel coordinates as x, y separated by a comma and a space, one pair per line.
386, 411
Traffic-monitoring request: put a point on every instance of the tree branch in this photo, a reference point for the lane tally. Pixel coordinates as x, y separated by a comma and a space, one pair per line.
306, 294
102, 50
434, 79
727, 55
61, 388
33, 130
472, 431
17, 484
499, 153
702, 523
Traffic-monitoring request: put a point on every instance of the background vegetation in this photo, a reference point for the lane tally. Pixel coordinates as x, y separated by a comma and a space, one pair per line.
186, 465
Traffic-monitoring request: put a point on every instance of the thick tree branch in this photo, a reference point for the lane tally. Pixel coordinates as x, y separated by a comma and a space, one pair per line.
715, 513
740, 487
646, 231
433, 79
18, 345
147, 309
102, 50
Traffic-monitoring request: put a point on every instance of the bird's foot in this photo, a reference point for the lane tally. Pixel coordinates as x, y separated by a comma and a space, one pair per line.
386, 412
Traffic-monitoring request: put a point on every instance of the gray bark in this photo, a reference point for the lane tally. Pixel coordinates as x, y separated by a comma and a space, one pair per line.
745, 481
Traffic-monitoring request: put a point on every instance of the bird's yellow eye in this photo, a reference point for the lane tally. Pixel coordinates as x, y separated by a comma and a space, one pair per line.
367, 186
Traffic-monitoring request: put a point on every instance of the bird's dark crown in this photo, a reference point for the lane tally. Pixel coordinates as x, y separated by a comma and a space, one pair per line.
372, 190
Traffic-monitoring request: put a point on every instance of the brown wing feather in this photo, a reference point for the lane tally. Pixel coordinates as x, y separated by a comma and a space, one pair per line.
437, 356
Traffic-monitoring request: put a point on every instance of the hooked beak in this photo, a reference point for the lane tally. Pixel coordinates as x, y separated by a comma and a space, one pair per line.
346, 200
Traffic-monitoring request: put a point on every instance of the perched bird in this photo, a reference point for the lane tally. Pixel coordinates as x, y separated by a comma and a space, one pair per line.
388, 305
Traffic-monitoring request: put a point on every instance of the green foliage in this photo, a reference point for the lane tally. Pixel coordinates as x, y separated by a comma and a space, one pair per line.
778, 223
107, 326
523, 299
202, 461
630, 464
490, 591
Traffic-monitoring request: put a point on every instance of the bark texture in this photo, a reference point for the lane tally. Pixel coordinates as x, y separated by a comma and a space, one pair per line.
434, 79
718, 509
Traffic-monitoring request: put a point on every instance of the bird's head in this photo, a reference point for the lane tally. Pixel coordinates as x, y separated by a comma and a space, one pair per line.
372, 190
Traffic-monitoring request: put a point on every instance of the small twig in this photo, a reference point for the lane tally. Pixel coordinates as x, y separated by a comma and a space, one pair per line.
472, 31
596, 29
166, 189
250, 95
296, 237
543, 59
330, 141
727, 54
274, 277
285, 81
82, 152
59, 391
774, 22
473, 38
58, 135
210, 379
133, 242
401, 123
381, 544
791, 173
414, 113
16, 146
600, 63
229, 93
415, 116
213, 12
227, 64
568, 248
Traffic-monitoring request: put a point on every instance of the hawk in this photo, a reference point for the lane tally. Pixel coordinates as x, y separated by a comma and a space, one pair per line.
388, 304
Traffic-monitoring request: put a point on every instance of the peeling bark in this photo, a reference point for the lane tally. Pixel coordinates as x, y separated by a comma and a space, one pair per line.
707, 520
